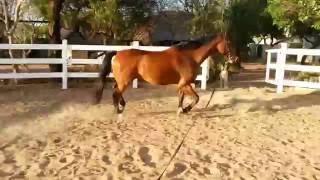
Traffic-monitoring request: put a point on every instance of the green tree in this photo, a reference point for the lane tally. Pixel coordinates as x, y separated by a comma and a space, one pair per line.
266, 29
207, 17
242, 19
114, 19
295, 15
298, 18
9, 15
117, 20
247, 19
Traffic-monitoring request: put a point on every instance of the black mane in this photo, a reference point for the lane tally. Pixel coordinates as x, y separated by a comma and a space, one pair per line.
192, 44
185, 45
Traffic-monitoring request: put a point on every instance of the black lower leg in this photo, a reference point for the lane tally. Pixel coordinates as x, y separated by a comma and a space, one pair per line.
122, 102
118, 100
99, 93
180, 105
115, 98
194, 102
181, 98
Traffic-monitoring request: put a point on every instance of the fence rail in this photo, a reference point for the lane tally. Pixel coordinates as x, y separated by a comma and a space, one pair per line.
281, 66
66, 60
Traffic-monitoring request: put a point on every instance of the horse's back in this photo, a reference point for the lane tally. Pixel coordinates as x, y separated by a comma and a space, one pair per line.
155, 67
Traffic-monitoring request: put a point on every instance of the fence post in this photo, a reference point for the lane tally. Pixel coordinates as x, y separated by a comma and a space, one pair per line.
69, 54
64, 64
299, 58
135, 44
281, 62
204, 74
268, 66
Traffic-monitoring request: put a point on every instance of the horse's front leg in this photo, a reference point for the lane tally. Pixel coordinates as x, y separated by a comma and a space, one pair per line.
188, 89
221, 81
226, 80
180, 105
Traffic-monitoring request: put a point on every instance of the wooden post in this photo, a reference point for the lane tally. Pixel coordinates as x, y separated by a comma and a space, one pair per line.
64, 64
299, 58
268, 66
69, 55
135, 44
281, 62
204, 74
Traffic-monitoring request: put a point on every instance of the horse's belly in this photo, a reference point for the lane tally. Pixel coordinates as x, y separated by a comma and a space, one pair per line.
159, 75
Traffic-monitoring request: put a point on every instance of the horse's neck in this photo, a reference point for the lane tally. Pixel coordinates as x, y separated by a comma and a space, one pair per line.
200, 54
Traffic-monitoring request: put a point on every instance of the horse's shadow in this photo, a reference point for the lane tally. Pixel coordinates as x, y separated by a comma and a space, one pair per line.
291, 102
285, 103
202, 112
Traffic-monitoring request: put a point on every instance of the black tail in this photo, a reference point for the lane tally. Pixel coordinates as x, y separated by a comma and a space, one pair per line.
104, 71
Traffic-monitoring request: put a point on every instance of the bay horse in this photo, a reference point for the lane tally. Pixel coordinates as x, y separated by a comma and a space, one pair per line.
178, 64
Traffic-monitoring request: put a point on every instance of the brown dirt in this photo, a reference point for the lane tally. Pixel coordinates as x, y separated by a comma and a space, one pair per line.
248, 132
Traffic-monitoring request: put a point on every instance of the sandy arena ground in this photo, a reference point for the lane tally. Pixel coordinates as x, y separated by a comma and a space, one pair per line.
248, 132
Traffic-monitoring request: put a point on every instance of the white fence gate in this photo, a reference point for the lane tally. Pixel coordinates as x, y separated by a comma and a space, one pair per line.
67, 60
281, 66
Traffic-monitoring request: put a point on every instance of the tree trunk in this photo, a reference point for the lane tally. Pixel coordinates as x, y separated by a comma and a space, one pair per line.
238, 54
10, 26
56, 35
15, 67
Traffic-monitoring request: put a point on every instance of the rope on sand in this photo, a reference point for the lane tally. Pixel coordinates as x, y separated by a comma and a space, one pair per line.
210, 97
176, 151
182, 141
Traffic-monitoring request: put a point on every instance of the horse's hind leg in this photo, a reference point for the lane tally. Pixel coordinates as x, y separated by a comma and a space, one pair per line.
118, 100
182, 83
190, 91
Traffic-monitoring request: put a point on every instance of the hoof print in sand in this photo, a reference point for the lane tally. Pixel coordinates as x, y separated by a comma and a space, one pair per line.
57, 140
44, 162
106, 159
115, 136
128, 168
224, 167
145, 157
178, 169
2, 157
206, 171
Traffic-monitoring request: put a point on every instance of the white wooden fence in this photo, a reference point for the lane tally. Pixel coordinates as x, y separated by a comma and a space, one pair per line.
67, 60
281, 66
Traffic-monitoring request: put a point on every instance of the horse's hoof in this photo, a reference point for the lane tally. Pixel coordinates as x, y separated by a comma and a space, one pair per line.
95, 102
97, 98
187, 109
180, 110
121, 107
119, 111
120, 117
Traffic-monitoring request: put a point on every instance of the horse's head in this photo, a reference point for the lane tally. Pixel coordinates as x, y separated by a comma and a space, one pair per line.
224, 47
